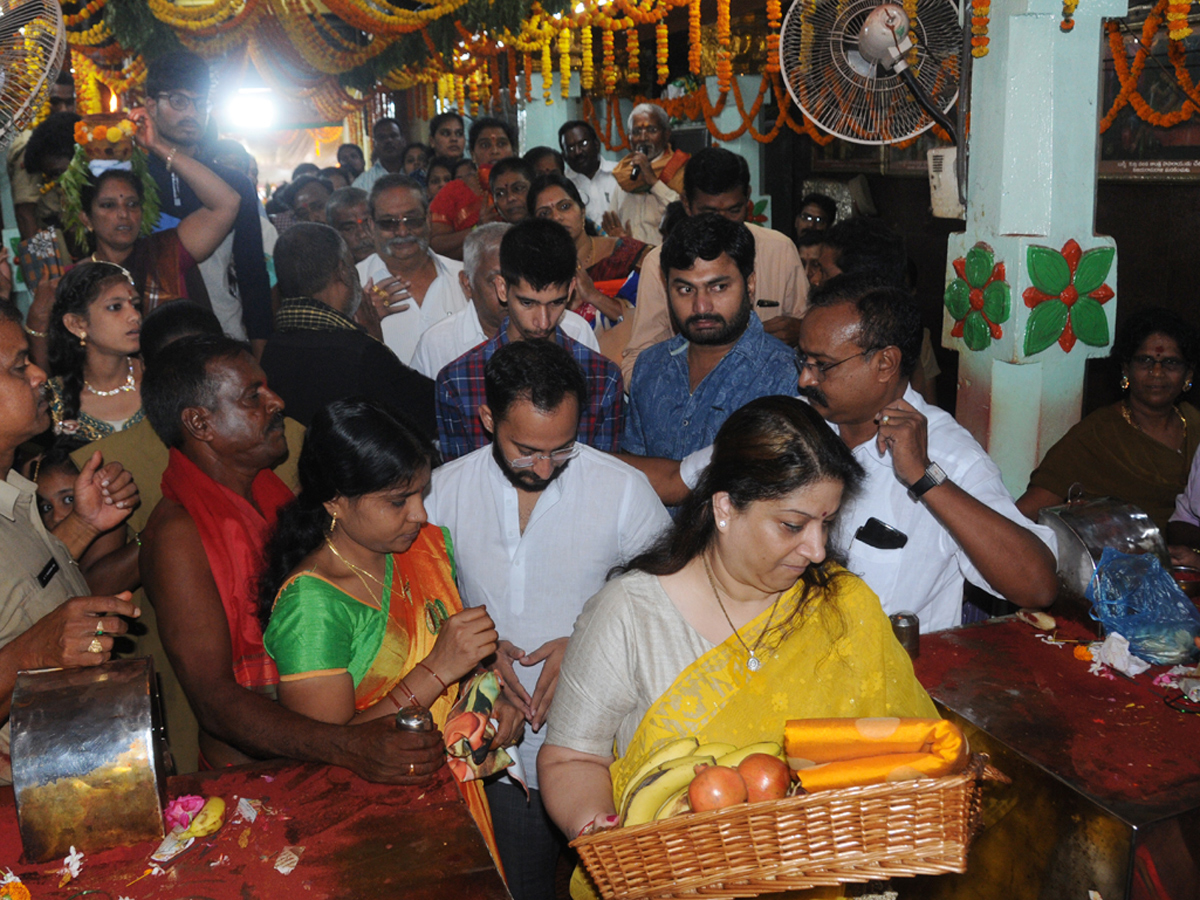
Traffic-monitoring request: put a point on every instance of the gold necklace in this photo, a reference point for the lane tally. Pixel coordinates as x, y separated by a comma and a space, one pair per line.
129, 385
1125, 413
591, 252
360, 573
752, 663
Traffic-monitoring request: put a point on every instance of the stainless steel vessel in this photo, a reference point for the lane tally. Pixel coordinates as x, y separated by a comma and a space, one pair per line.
1085, 527
87, 758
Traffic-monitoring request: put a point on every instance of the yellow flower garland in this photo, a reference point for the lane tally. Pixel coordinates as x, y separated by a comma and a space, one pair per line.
587, 72
564, 61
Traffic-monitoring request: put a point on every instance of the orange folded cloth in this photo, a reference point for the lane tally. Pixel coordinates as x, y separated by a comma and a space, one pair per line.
835, 753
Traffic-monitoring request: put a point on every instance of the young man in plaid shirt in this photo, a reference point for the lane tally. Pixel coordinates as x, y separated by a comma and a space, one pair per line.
537, 266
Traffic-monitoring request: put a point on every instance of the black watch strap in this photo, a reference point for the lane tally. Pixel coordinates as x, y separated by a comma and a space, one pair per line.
932, 478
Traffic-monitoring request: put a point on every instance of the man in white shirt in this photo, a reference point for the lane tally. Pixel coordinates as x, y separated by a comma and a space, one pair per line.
480, 320
587, 169
933, 511
537, 520
389, 153
411, 287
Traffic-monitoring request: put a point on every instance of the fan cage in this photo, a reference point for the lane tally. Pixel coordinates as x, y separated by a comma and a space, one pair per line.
856, 100
33, 47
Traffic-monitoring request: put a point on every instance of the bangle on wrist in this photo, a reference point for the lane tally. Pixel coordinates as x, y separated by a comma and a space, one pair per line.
389, 696
170, 160
411, 696
37, 334
445, 687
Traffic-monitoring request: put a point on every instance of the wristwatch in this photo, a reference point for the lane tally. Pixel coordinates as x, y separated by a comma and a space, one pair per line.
932, 478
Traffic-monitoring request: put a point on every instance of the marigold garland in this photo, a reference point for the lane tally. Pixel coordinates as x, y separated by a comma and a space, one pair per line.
981, 11
609, 62
632, 51
527, 69
910, 10
724, 57
84, 14
564, 62
774, 21
1129, 75
189, 18
1177, 19
547, 72
587, 73
1068, 22
694, 43
98, 34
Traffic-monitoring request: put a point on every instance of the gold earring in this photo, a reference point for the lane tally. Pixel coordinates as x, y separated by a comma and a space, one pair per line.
83, 339
1124, 382
333, 523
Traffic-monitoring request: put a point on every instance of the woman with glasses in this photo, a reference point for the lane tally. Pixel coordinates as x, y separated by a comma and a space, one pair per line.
605, 263
358, 600
1140, 448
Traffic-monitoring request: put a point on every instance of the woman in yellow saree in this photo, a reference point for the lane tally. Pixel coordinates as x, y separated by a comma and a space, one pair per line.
732, 624
361, 612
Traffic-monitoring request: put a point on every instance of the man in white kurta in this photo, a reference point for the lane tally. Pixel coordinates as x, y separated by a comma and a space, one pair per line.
537, 521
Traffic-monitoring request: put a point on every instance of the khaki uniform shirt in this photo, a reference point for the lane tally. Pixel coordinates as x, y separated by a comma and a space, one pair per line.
778, 276
37, 574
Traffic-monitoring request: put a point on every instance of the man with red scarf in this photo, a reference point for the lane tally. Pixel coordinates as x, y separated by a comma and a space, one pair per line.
202, 550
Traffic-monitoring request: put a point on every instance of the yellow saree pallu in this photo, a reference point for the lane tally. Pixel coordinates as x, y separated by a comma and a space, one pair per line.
424, 596
839, 659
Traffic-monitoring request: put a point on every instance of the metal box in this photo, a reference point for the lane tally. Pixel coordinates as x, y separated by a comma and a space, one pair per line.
87, 758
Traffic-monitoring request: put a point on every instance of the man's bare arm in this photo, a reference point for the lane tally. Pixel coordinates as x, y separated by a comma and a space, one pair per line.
195, 633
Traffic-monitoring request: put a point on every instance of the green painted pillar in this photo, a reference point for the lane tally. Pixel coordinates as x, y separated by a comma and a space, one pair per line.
1030, 286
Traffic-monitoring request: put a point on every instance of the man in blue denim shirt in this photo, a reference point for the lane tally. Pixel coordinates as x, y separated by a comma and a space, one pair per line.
684, 388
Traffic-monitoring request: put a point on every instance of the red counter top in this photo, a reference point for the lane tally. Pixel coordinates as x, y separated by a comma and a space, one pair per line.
360, 840
1114, 740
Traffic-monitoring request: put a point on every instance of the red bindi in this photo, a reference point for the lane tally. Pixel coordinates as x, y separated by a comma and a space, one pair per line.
1159, 348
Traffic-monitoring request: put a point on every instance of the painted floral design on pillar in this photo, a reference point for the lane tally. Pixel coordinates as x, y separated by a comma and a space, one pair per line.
979, 299
1067, 297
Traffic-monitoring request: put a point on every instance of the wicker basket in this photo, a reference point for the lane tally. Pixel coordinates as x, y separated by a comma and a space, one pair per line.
921, 827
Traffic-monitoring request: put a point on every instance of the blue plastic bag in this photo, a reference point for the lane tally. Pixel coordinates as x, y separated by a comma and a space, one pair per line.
1135, 597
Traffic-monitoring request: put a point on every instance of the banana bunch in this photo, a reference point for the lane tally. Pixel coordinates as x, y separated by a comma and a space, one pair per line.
659, 789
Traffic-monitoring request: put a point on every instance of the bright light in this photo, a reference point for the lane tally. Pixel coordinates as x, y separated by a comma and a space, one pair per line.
579, 7
114, 102
250, 110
